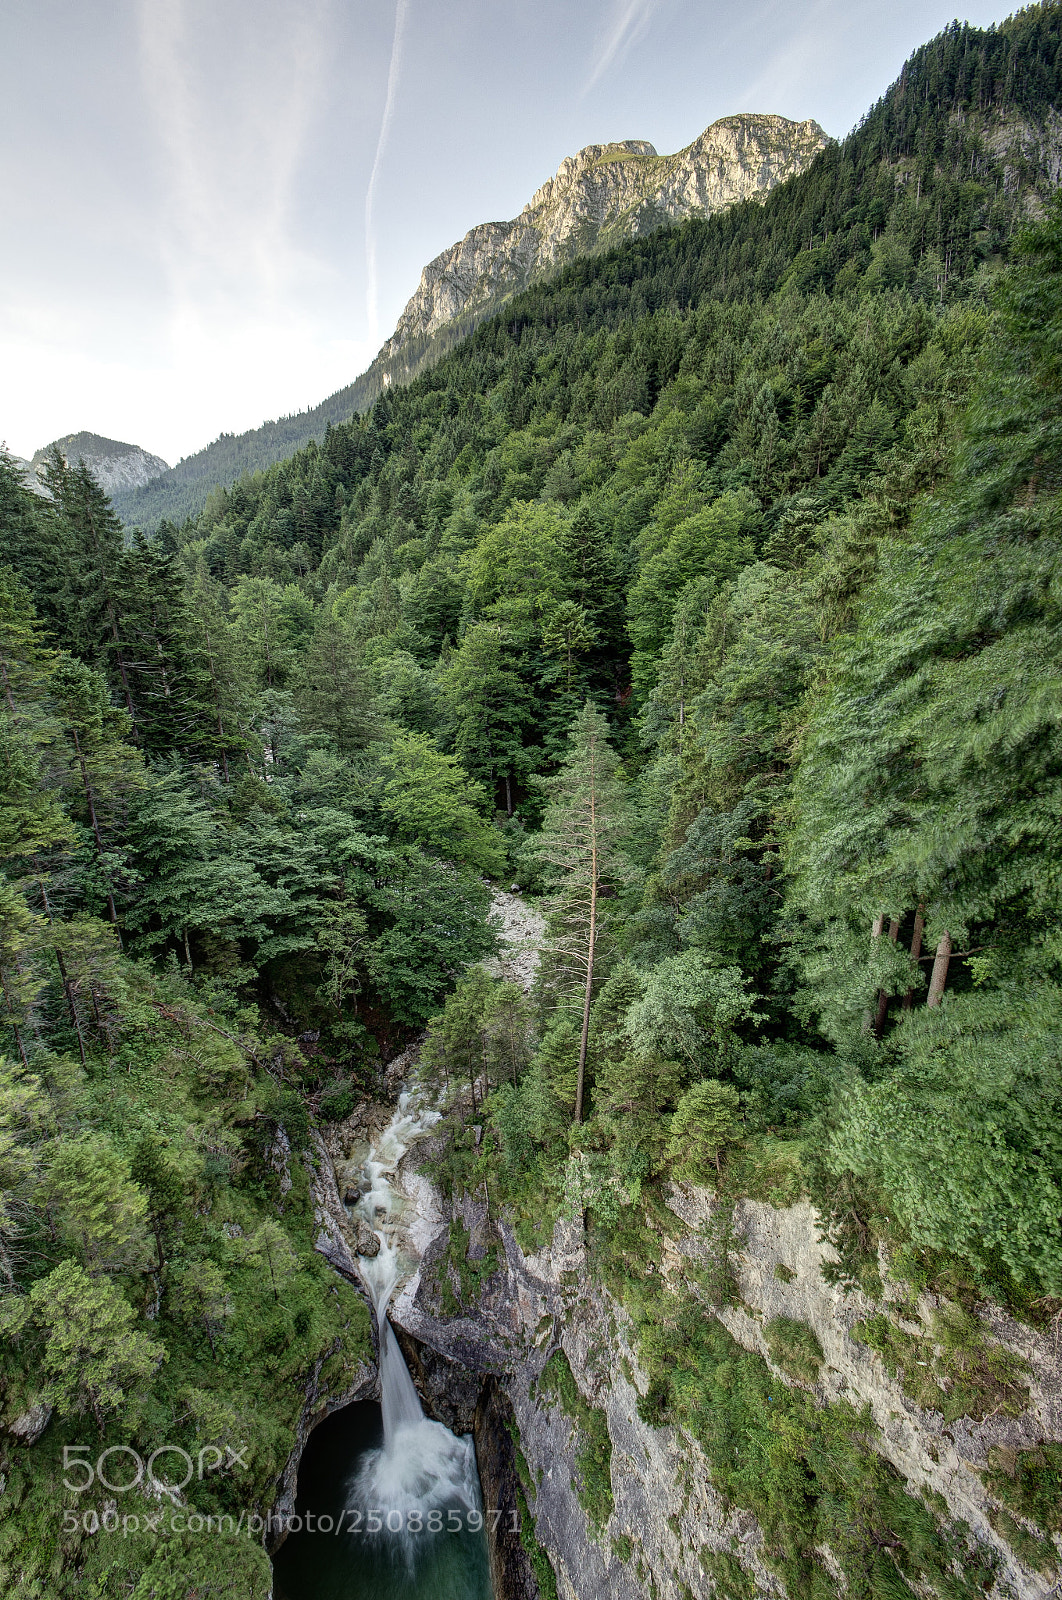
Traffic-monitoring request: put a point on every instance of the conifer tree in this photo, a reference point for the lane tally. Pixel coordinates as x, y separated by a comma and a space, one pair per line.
331, 688
34, 543
167, 681
100, 769
488, 706
578, 852
92, 620
94, 1358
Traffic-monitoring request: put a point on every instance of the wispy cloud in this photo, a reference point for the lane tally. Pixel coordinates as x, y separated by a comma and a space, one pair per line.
791, 69
231, 158
393, 72
628, 22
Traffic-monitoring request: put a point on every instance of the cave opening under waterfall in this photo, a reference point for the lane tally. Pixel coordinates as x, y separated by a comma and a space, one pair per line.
377, 1524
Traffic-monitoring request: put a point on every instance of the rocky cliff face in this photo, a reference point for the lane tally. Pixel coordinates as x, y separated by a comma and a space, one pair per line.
114, 465
603, 195
665, 1532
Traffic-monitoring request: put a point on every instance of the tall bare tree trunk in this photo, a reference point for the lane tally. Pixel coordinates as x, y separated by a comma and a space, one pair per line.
940, 970
875, 934
588, 994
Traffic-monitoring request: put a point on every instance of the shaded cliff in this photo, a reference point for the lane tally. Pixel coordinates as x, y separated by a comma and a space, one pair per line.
639, 1481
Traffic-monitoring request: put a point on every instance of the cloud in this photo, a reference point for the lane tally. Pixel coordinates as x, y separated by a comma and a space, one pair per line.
630, 18
794, 68
231, 115
393, 72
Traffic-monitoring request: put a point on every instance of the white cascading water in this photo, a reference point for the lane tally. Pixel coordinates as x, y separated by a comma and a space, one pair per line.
421, 1467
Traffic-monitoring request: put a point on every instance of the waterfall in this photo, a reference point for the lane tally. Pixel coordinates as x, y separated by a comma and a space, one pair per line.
421, 1468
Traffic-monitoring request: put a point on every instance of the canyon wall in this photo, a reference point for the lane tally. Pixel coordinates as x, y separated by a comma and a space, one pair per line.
526, 1317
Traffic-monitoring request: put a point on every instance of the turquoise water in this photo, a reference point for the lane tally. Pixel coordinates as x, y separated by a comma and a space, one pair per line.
345, 1562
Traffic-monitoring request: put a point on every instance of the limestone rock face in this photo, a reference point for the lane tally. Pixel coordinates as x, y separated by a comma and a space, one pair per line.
114, 465
598, 198
666, 1508
28, 1427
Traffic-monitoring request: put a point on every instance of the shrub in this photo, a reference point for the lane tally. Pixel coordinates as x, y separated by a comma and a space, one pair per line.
795, 1348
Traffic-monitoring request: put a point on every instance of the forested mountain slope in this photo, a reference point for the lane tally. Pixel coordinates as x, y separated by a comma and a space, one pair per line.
972, 118
712, 591
600, 196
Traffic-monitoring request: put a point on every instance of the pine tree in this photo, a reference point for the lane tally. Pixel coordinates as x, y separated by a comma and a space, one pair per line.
94, 1358
168, 683
34, 542
93, 534
489, 706
331, 688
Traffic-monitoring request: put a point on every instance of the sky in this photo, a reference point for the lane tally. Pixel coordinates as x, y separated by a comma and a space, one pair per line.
215, 210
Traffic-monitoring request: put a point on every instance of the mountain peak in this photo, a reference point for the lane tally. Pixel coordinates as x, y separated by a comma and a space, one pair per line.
114, 464
602, 195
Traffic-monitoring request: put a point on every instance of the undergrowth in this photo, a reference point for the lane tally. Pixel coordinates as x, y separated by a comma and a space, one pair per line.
593, 1451
810, 1474
470, 1272
955, 1367
795, 1348
1029, 1482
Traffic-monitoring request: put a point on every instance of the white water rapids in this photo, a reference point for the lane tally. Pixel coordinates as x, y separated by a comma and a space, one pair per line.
421, 1468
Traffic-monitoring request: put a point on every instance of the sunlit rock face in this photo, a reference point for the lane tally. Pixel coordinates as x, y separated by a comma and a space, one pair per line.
114, 465
598, 198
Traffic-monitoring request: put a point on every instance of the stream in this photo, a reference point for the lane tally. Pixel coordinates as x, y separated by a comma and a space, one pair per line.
399, 1493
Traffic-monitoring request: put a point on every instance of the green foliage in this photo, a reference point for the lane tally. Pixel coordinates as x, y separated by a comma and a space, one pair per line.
593, 1453
430, 801
156, 1340
104, 1214
93, 1357
470, 1272
795, 1348
689, 1008
1030, 1482
955, 1367
1036, 1552
983, 1183
541, 1566
730, 1581
706, 1121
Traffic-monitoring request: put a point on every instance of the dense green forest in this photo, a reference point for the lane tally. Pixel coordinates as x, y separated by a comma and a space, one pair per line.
710, 592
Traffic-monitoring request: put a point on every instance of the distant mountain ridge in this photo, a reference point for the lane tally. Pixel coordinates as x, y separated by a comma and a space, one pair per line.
115, 465
602, 195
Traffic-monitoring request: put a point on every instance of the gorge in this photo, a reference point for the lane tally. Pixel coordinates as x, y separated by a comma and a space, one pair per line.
637, 740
